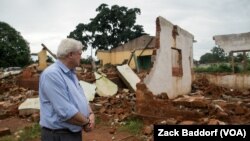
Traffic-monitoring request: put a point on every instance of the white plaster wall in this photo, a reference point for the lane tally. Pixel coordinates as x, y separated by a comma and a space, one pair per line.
234, 81
185, 43
233, 42
160, 78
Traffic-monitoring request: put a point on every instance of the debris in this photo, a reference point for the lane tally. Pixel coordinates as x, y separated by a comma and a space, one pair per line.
128, 76
105, 87
4, 131
89, 90
29, 106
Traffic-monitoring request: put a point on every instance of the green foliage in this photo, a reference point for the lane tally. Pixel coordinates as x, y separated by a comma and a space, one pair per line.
30, 133
7, 138
14, 50
248, 64
217, 55
206, 58
133, 126
111, 27
49, 59
239, 57
215, 68
98, 120
26, 134
248, 67
86, 61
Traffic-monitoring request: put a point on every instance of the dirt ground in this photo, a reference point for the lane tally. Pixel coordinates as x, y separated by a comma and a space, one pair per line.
100, 133
14, 123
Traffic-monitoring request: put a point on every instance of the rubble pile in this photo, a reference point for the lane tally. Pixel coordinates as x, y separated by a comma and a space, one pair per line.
11, 96
207, 104
115, 108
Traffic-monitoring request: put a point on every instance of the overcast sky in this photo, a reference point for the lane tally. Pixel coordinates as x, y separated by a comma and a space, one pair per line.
49, 21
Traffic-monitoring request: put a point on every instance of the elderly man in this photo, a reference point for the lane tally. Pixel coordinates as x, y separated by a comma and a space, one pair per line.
65, 111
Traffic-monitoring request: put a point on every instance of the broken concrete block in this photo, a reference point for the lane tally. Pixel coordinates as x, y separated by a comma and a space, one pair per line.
105, 87
89, 90
9, 73
128, 76
29, 107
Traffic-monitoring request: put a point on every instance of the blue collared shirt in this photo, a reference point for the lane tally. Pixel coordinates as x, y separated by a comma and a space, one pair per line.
61, 97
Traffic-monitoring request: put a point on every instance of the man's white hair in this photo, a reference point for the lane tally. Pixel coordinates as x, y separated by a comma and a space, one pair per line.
68, 45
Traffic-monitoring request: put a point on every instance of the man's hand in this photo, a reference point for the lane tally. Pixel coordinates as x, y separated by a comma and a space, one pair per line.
87, 128
90, 126
91, 121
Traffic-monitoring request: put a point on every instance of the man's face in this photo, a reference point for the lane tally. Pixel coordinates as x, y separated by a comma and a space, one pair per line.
76, 57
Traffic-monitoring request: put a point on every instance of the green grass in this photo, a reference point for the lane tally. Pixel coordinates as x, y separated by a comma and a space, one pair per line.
97, 120
214, 68
133, 126
7, 138
30, 133
222, 68
26, 134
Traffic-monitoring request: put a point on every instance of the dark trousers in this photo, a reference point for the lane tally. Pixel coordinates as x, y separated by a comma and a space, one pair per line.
60, 135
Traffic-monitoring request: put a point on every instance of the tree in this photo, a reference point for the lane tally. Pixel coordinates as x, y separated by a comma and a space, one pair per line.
206, 58
111, 27
14, 50
217, 55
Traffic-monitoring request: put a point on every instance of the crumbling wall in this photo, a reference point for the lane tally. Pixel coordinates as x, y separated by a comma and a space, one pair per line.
233, 42
171, 72
142, 46
104, 56
42, 64
232, 81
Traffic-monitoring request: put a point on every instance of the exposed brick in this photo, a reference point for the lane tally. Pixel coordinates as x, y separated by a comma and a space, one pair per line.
176, 71
29, 83
139, 95
213, 122
187, 122
158, 30
239, 110
148, 130
4, 131
27, 73
112, 130
141, 86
